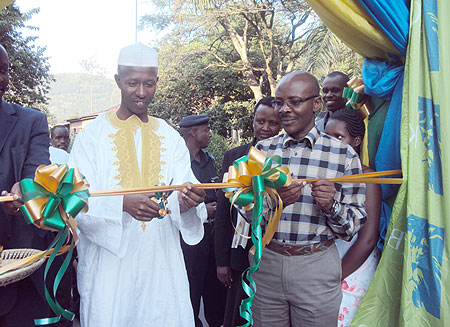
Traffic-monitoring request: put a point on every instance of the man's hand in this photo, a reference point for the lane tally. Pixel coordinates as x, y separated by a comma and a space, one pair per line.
211, 209
190, 197
224, 276
12, 207
141, 206
290, 194
323, 192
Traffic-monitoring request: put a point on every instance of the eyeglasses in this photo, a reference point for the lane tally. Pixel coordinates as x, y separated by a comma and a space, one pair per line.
291, 103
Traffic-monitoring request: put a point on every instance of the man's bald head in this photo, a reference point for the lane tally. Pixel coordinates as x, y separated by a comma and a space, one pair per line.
299, 75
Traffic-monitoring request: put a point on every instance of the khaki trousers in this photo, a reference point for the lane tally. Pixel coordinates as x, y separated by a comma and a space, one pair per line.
298, 291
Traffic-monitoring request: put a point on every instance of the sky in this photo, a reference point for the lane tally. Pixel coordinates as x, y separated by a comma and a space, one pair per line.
76, 30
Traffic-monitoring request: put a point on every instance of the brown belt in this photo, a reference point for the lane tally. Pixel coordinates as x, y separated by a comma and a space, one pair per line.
291, 249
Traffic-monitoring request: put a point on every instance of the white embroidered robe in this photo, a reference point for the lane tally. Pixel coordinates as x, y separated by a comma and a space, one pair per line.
127, 276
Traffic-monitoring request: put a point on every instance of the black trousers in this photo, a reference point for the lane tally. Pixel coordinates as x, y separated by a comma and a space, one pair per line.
29, 305
235, 296
203, 283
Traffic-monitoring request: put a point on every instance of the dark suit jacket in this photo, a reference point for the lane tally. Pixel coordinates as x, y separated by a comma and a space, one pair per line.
237, 259
24, 143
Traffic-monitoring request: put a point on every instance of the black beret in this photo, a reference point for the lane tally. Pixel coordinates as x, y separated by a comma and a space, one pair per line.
194, 120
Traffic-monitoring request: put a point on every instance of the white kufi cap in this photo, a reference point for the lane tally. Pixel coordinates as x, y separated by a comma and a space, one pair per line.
138, 55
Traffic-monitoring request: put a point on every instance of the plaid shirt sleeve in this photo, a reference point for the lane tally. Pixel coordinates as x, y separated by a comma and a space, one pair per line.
351, 213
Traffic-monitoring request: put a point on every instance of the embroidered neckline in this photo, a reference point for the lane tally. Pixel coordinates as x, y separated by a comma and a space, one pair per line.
129, 174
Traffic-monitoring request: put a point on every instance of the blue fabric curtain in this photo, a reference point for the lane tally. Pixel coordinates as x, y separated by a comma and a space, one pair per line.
392, 16
385, 80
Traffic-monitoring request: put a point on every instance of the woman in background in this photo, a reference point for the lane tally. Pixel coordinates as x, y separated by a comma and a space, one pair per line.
360, 256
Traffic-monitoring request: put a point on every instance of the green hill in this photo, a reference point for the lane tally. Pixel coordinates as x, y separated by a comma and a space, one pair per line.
73, 95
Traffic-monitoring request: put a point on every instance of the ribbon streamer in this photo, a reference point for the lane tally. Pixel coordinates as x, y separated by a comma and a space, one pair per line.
51, 200
252, 177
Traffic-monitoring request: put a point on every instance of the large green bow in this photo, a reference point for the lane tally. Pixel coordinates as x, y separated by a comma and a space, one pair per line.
51, 200
55, 192
253, 176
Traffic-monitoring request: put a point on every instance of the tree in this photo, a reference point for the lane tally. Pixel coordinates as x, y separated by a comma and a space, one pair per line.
266, 37
219, 57
326, 53
29, 69
189, 84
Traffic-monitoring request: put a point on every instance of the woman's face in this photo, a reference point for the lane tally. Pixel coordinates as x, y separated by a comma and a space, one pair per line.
338, 129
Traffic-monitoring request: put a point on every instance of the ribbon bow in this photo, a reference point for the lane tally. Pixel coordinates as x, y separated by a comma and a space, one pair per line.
51, 200
253, 177
54, 192
354, 92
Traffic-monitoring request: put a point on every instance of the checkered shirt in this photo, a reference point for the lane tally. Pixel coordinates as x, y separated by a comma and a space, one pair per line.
318, 155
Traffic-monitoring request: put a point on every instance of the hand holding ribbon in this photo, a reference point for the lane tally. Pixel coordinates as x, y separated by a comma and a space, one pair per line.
51, 200
354, 92
54, 192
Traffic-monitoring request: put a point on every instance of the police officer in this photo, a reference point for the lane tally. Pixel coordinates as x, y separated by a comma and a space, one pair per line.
200, 259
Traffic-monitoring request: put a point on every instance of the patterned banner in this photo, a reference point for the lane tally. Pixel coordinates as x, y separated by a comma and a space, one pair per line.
410, 287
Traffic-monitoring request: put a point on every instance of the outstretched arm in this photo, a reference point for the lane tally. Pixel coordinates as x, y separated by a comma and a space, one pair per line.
367, 236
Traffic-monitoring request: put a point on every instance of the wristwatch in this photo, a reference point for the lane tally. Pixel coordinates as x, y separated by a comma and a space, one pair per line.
335, 206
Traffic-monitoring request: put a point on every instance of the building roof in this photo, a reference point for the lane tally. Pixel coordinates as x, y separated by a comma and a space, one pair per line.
92, 116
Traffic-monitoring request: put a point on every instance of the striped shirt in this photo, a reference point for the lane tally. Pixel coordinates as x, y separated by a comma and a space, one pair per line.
318, 155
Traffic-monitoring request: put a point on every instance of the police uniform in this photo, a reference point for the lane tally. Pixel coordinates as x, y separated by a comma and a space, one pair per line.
200, 259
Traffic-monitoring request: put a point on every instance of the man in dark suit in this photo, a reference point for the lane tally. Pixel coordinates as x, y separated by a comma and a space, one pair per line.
199, 258
23, 146
231, 262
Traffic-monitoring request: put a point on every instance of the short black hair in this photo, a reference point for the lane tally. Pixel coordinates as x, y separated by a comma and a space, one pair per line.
58, 126
267, 101
352, 119
338, 74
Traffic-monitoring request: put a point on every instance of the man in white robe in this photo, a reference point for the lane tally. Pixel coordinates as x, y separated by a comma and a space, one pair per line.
131, 270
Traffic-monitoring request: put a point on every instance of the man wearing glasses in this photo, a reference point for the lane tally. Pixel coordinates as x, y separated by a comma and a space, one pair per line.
298, 282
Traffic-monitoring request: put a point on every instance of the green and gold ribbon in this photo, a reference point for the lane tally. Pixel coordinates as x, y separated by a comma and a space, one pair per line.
354, 92
51, 200
57, 194
252, 177
55, 190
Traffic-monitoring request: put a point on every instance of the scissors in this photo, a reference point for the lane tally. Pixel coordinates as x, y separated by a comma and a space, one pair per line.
162, 201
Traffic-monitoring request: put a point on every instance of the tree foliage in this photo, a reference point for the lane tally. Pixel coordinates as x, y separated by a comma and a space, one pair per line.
217, 146
326, 53
29, 69
189, 84
219, 57
260, 40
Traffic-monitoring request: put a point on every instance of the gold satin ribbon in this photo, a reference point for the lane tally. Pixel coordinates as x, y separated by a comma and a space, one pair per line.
241, 182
